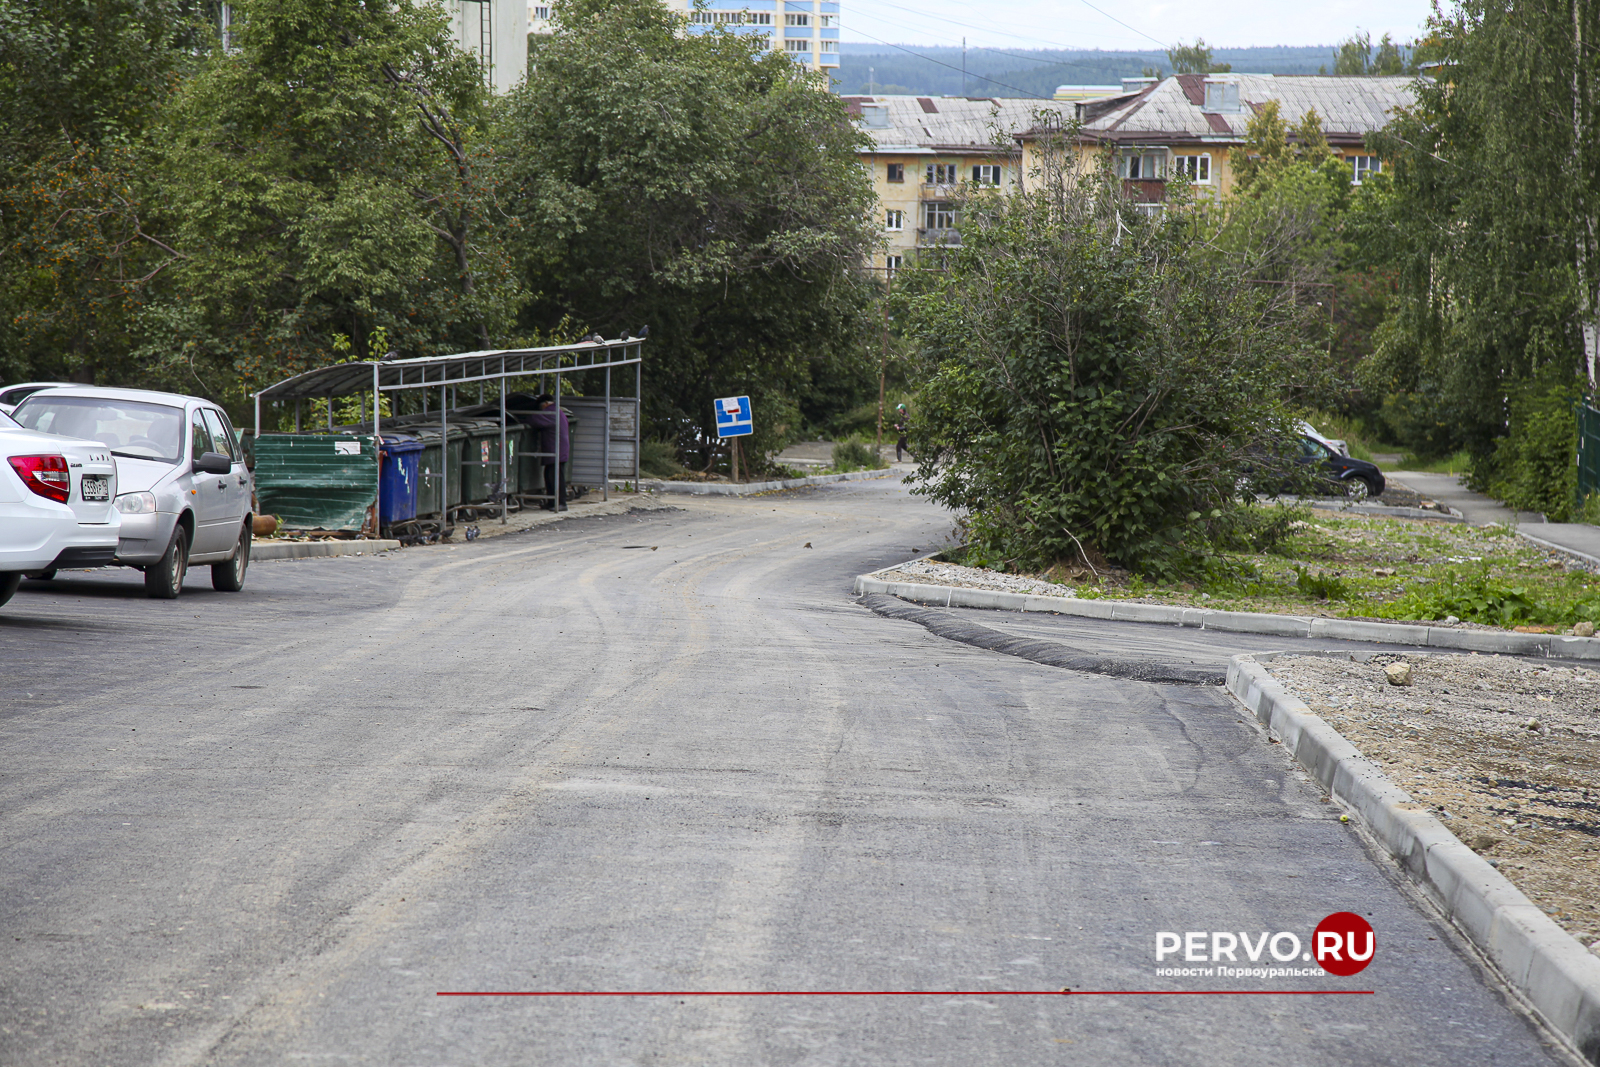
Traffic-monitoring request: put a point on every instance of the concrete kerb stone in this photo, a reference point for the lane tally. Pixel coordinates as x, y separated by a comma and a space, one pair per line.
1240, 622
1588, 561
1554, 974
265, 551
749, 488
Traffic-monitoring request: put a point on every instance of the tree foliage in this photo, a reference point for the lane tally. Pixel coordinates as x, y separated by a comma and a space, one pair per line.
1486, 219
327, 179
1195, 59
1098, 384
1356, 56
702, 185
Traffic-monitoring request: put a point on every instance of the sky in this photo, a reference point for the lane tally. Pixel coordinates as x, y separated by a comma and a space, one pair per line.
1125, 24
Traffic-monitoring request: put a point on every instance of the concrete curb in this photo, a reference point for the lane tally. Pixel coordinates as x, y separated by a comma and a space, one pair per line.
747, 488
1558, 977
262, 551
1241, 622
1590, 562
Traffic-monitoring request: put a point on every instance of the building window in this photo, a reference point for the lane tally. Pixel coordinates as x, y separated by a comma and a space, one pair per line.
897, 172
797, 20
1142, 165
698, 18
1196, 168
797, 44
757, 18
892, 264
986, 174
938, 215
828, 22
541, 12
943, 174
830, 46
894, 220
1364, 166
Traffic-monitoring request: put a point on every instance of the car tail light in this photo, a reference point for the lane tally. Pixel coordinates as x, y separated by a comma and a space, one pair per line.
45, 475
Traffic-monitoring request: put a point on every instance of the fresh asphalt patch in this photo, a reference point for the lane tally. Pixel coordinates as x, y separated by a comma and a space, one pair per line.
1049, 653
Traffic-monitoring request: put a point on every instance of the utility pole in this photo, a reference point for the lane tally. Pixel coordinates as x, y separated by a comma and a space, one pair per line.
963, 66
872, 81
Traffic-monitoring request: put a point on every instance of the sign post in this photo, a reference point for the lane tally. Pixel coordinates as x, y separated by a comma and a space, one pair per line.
733, 422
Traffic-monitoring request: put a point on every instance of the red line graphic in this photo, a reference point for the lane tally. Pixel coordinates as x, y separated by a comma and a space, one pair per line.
914, 993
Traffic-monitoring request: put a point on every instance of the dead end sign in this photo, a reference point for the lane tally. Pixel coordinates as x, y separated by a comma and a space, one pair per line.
733, 416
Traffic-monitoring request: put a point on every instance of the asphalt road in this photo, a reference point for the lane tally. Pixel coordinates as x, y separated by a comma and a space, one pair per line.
657, 753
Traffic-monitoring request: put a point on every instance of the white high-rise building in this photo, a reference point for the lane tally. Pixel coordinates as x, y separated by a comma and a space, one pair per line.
805, 30
496, 31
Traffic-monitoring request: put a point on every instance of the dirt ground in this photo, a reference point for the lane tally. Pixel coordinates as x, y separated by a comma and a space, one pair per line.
1505, 752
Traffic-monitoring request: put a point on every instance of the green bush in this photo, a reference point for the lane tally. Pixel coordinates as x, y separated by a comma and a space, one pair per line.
855, 454
1532, 467
659, 459
1099, 384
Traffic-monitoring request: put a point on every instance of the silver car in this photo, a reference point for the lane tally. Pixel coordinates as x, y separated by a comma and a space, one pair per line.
184, 492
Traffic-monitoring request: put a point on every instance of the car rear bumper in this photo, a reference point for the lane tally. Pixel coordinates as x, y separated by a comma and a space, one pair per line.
37, 536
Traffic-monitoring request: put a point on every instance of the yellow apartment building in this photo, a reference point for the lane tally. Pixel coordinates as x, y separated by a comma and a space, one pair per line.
925, 147
1189, 123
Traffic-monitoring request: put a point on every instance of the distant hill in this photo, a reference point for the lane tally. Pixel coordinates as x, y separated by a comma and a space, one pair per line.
1037, 72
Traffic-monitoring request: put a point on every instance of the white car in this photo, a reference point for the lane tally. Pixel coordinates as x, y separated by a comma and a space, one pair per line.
12, 395
185, 493
56, 507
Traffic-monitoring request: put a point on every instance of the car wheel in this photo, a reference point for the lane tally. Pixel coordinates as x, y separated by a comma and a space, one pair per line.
228, 577
42, 576
1360, 489
164, 580
8, 585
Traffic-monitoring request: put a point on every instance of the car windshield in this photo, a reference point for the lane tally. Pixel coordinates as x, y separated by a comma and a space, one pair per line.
128, 427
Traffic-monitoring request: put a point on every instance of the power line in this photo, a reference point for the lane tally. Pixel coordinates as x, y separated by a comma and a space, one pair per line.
857, 12
1119, 22
952, 66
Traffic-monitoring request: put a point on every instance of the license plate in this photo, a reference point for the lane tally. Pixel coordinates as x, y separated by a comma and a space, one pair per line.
95, 487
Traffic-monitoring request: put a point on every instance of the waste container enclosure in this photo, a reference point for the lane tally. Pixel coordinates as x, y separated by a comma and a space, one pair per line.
318, 481
431, 464
397, 482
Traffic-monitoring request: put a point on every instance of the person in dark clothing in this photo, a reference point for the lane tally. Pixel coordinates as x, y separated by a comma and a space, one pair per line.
555, 441
902, 426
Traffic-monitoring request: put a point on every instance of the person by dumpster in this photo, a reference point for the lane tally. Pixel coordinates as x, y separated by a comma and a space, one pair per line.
902, 426
555, 441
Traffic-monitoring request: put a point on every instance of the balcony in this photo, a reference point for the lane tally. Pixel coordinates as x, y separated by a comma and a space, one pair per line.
932, 191
928, 237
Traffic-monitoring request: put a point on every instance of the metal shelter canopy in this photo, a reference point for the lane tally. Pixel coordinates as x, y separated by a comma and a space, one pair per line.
423, 372
444, 372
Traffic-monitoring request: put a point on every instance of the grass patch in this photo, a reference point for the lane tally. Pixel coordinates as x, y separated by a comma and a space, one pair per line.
1381, 568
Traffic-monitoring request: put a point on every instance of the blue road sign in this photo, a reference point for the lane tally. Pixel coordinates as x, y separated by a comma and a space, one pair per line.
733, 416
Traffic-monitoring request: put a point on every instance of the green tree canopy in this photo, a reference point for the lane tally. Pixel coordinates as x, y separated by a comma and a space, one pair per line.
702, 185
328, 178
1357, 56
1098, 383
1195, 59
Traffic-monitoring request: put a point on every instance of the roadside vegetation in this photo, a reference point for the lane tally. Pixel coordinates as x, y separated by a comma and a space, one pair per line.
1370, 568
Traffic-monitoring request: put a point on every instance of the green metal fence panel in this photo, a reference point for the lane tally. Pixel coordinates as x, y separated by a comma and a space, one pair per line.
318, 481
1588, 452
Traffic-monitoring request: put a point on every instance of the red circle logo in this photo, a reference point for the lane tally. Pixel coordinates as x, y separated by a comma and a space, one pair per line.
1343, 943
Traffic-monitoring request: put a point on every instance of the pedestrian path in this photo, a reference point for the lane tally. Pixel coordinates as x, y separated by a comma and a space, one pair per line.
1447, 489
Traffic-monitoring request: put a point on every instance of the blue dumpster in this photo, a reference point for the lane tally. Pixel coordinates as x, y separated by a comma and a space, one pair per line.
397, 479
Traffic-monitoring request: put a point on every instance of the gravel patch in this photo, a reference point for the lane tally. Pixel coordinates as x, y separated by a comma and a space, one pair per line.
1505, 752
932, 572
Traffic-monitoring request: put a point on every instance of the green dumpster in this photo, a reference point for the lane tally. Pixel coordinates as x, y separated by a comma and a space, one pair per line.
480, 460
432, 466
318, 481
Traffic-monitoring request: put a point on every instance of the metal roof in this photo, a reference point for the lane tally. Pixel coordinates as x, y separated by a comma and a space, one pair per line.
924, 125
348, 379
1350, 107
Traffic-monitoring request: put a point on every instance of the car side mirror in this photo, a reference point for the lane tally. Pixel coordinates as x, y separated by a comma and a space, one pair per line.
213, 463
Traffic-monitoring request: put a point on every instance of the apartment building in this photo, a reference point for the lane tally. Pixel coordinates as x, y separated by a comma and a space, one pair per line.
924, 148
807, 31
1189, 123
496, 31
